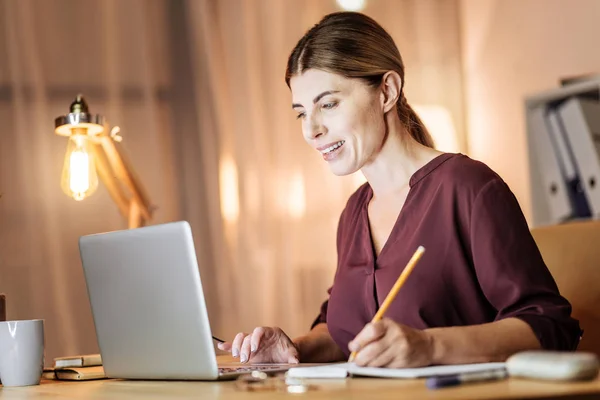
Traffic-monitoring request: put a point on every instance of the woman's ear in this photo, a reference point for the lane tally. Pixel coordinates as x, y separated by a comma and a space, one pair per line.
391, 87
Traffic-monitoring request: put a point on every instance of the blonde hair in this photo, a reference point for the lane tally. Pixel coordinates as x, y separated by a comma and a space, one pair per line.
353, 45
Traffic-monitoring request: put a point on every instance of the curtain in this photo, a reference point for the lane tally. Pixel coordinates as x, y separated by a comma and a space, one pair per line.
112, 52
197, 88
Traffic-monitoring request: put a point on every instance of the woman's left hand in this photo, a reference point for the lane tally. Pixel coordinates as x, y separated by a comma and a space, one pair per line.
386, 343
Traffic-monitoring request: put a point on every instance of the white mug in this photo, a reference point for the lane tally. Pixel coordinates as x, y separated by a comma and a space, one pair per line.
21, 352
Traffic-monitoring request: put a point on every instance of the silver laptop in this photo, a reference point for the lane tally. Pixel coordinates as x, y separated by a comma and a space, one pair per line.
148, 306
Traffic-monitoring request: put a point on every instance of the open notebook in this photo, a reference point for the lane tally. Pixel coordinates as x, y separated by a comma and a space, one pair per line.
343, 370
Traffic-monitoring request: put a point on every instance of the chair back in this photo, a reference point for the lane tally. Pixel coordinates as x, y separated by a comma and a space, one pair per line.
572, 253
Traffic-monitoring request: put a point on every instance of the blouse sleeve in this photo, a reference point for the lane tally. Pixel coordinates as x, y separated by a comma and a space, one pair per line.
511, 271
322, 317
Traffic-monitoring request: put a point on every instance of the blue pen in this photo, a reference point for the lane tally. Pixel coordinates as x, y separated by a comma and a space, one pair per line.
438, 382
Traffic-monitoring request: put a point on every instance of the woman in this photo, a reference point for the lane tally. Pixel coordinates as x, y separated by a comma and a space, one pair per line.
480, 293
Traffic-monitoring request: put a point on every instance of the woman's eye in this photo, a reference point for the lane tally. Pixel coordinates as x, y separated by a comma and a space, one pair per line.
300, 115
329, 106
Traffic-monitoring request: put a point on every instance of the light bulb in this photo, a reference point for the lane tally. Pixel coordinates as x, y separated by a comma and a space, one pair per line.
79, 178
352, 5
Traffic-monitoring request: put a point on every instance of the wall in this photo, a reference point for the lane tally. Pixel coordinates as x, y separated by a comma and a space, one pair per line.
511, 49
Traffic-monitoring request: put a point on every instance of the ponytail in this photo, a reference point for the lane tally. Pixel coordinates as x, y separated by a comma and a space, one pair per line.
416, 128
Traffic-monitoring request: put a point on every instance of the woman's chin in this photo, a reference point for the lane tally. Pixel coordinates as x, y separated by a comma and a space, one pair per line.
341, 169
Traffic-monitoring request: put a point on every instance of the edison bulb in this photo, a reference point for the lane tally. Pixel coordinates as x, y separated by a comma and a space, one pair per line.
79, 178
352, 5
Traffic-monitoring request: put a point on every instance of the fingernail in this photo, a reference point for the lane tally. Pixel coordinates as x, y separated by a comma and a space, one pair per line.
253, 348
234, 353
352, 346
243, 358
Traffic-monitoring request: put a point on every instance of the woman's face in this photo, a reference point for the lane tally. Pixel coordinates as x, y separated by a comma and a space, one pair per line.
342, 118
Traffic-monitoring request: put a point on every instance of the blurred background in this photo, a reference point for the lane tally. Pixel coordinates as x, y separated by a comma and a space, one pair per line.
197, 88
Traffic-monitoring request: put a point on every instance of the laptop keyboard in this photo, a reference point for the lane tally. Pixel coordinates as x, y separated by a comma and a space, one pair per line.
263, 368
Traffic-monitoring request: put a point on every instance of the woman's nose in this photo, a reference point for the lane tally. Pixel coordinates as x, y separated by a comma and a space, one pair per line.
314, 129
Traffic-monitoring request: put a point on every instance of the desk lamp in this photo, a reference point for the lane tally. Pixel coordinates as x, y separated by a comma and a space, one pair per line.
93, 150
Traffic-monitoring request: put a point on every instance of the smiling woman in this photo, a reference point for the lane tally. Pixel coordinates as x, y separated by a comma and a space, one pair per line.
481, 292
327, 47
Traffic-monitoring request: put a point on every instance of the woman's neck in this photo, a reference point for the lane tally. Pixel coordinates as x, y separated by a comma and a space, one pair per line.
399, 158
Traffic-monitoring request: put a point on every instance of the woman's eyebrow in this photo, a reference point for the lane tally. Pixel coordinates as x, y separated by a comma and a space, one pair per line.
318, 97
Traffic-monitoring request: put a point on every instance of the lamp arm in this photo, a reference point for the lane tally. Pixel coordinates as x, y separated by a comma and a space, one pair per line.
139, 208
135, 217
108, 178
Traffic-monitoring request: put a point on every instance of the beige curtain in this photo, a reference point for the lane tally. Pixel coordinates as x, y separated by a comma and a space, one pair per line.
112, 52
197, 88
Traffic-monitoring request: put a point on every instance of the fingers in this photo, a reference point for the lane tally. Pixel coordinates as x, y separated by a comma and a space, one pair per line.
245, 350
370, 353
250, 343
388, 344
380, 356
264, 344
225, 346
373, 331
293, 356
257, 335
237, 344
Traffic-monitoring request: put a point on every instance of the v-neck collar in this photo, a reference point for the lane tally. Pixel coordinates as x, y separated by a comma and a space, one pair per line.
415, 178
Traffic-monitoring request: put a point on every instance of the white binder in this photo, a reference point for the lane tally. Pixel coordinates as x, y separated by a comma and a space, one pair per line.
581, 120
558, 136
555, 189
579, 203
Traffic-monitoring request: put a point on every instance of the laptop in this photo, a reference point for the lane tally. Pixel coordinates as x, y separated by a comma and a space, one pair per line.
148, 306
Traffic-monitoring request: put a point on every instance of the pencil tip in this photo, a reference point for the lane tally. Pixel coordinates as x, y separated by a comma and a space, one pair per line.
352, 357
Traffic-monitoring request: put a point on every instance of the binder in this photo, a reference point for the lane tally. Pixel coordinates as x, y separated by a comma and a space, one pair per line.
566, 160
581, 121
555, 189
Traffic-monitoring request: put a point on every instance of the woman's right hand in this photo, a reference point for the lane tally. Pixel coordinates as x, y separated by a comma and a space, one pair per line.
263, 345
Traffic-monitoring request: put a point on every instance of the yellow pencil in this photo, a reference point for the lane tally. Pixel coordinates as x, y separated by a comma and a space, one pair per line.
392, 294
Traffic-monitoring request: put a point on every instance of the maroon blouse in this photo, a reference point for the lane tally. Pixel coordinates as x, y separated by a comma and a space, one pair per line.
481, 263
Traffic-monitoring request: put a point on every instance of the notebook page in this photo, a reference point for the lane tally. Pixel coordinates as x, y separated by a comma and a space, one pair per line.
424, 372
342, 370
322, 371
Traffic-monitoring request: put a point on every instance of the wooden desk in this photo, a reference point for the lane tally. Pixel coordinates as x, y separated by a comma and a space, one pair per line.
324, 389
331, 389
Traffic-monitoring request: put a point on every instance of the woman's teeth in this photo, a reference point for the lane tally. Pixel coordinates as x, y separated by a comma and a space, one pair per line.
333, 147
